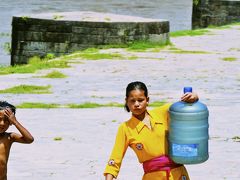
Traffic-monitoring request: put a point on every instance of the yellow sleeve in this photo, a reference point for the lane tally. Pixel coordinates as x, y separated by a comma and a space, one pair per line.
162, 108
118, 152
162, 111
163, 114
166, 109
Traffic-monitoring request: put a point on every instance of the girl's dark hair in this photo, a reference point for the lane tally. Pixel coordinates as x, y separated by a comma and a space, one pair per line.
133, 86
5, 104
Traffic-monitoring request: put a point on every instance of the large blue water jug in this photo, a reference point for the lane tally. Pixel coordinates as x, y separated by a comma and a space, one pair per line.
188, 132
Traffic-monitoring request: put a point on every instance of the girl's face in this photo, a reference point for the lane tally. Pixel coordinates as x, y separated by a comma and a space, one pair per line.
4, 123
137, 103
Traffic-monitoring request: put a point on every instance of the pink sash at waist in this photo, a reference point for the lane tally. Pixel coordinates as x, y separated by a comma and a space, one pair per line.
162, 163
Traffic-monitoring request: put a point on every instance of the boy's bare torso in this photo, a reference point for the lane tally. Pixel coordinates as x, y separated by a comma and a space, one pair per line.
5, 145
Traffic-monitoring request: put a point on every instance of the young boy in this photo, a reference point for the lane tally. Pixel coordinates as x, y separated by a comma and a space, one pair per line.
7, 118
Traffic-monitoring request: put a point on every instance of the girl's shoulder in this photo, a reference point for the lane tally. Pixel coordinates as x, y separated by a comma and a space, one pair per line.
161, 109
130, 123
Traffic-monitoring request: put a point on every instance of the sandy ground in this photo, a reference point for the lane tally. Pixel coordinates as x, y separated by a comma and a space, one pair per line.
88, 134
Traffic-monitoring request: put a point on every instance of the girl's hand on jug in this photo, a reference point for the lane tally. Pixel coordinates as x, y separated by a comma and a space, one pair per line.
189, 97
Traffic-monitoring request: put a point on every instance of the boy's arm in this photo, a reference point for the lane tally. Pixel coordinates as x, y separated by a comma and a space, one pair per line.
25, 136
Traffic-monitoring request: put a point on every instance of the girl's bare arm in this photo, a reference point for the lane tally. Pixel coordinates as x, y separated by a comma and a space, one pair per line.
109, 177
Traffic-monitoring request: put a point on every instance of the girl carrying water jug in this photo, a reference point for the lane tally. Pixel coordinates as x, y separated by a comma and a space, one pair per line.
146, 133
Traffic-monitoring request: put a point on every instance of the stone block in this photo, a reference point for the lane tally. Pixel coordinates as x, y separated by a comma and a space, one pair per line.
18, 59
95, 39
113, 40
159, 38
136, 38
33, 46
19, 35
60, 28
111, 32
88, 30
28, 53
61, 47
33, 36
73, 47
80, 39
80, 30
57, 37
215, 13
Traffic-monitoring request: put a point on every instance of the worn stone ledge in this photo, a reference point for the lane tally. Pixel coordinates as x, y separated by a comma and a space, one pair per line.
215, 12
62, 33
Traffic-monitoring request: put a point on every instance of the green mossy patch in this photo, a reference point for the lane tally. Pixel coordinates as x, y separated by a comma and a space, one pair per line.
80, 106
27, 89
146, 45
94, 105
58, 139
189, 52
35, 63
197, 32
54, 74
229, 59
29, 105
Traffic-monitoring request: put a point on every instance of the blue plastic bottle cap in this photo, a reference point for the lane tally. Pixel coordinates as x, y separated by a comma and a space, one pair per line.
187, 89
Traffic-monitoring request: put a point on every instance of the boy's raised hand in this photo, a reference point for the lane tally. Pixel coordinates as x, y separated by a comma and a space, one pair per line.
10, 115
24, 136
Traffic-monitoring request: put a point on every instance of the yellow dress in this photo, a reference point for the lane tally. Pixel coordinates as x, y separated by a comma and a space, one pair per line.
146, 143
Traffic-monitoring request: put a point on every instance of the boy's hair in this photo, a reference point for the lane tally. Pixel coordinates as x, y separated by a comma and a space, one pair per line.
5, 104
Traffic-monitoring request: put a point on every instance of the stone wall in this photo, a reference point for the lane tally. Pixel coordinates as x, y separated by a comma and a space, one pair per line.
215, 12
38, 37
